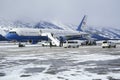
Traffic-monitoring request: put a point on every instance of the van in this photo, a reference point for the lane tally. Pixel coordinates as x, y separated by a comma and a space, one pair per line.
71, 44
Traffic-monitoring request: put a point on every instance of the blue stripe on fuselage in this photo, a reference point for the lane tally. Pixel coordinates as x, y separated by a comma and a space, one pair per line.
15, 36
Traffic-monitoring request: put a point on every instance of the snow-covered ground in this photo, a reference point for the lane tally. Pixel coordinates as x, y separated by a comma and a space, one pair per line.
45, 63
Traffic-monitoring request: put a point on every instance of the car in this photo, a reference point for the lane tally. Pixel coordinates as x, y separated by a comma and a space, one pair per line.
108, 44
47, 43
70, 44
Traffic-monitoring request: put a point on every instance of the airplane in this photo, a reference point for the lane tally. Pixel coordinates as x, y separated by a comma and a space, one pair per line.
35, 35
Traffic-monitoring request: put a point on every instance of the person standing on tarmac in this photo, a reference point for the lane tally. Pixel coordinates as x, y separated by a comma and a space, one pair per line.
50, 44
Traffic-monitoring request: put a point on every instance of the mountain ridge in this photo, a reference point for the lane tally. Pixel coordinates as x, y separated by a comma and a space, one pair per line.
112, 33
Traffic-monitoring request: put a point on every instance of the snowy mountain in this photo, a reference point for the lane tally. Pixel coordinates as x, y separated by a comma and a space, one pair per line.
48, 25
104, 33
95, 32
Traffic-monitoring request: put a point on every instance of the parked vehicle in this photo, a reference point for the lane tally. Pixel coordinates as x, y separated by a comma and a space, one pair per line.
88, 42
108, 44
47, 43
71, 44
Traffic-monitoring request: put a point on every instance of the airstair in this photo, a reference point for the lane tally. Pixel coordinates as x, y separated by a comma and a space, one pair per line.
52, 38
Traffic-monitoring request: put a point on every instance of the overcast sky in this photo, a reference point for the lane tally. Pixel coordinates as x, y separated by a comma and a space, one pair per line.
99, 12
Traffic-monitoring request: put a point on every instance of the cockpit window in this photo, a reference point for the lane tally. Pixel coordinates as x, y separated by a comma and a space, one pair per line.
105, 42
12, 32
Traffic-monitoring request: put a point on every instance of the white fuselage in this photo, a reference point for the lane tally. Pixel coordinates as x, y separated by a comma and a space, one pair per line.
38, 32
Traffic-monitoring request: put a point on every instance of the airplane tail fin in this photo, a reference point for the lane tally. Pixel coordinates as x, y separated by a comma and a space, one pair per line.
82, 24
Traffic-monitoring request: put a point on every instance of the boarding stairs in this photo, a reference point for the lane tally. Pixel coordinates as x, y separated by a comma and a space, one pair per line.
52, 38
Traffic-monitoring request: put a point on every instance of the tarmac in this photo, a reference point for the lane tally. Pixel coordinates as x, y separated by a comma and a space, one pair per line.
34, 62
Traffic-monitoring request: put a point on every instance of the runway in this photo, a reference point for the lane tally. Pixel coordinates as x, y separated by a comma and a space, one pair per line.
57, 63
